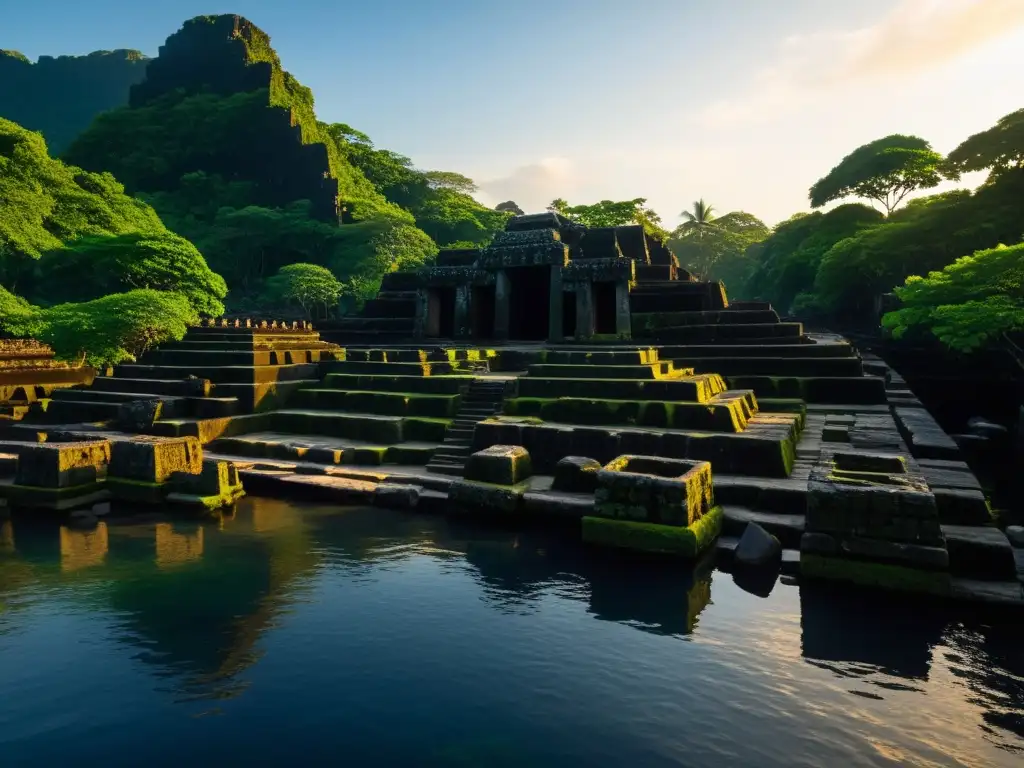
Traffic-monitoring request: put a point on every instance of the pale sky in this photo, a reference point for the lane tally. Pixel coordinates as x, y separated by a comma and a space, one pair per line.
745, 103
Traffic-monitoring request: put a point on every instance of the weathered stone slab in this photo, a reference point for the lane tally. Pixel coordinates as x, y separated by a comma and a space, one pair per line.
500, 465
397, 496
576, 474
472, 496
62, 465
979, 552
913, 555
962, 506
923, 434
1015, 533
654, 490
870, 574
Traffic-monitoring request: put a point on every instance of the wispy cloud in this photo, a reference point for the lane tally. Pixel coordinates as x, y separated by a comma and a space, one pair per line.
916, 36
533, 186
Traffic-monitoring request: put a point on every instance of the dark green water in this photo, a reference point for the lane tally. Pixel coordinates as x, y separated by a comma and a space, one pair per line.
298, 635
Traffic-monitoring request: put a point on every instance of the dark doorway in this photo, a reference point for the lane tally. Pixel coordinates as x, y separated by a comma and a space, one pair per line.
441, 312
483, 312
604, 308
569, 313
529, 302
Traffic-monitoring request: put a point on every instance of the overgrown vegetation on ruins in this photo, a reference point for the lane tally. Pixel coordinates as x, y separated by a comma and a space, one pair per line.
86, 268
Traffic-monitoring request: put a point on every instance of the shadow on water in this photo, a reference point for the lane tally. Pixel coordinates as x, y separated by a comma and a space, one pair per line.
194, 599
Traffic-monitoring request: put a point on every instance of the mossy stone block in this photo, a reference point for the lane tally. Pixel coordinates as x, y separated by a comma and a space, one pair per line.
62, 465
652, 489
500, 465
684, 541
155, 459
216, 485
576, 474
472, 496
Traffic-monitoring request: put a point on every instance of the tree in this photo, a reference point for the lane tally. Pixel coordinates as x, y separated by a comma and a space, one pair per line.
719, 248
510, 206
611, 213
885, 171
966, 305
93, 267
106, 331
450, 180
1000, 148
788, 260
308, 285
699, 220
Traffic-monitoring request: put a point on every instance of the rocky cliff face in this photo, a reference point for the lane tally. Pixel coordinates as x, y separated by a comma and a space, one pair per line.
59, 97
216, 100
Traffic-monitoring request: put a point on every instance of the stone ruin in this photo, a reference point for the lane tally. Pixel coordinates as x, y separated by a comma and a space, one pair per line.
641, 411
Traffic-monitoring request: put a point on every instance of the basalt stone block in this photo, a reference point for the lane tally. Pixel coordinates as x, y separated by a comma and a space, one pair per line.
576, 474
654, 490
683, 541
864, 495
979, 552
962, 506
395, 496
216, 485
155, 459
499, 465
474, 497
62, 465
138, 415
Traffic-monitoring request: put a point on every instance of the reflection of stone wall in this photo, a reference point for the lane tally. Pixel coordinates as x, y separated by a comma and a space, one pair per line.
6, 536
83, 549
174, 548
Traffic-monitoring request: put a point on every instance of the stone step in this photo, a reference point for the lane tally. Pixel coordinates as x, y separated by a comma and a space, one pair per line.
644, 372
695, 351
774, 366
378, 367
153, 386
754, 333
454, 470
416, 384
979, 552
786, 528
225, 374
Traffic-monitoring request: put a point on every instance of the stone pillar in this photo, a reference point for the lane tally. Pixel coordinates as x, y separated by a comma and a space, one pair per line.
462, 311
584, 311
555, 332
502, 297
419, 327
623, 326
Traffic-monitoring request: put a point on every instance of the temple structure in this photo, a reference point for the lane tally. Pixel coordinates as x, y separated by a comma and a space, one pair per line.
543, 279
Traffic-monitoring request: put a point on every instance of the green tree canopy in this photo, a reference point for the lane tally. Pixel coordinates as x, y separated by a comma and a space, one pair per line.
719, 250
92, 267
1000, 148
45, 203
105, 331
612, 213
308, 285
967, 304
885, 170
510, 206
788, 260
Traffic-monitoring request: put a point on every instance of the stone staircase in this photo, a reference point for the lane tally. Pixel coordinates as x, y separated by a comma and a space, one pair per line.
483, 399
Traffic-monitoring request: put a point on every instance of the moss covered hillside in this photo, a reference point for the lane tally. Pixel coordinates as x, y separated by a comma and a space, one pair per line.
226, 146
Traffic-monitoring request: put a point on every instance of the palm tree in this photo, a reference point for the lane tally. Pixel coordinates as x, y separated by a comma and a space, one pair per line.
699, 220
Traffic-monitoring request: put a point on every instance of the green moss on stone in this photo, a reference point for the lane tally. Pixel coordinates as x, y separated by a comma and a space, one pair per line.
882, 575
688, 542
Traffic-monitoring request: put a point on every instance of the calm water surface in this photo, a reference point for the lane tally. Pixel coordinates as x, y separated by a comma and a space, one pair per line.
297, 634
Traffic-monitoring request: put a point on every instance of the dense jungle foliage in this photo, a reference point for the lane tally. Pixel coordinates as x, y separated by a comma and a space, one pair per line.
86, 268
216, 152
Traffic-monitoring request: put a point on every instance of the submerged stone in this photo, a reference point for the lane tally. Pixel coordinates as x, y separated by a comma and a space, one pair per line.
396, 496
758, 549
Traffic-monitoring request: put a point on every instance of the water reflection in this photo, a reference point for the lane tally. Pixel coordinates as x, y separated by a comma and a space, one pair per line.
194, 602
